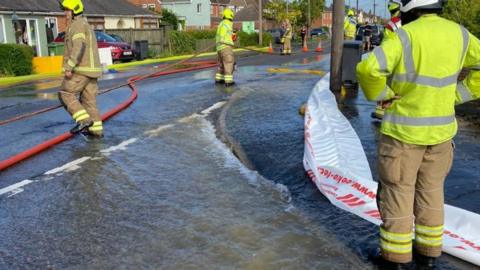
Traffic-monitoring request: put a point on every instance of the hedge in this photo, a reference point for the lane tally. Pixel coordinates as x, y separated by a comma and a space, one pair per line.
185, 42
16, 60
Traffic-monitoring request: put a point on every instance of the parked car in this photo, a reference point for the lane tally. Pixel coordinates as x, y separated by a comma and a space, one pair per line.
377, 33
121, 51
318, 32
117, 37
276, 33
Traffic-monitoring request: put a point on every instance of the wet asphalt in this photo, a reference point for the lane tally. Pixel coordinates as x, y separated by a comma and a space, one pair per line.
164, 190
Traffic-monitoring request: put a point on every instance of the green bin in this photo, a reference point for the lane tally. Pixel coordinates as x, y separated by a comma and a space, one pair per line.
55, 49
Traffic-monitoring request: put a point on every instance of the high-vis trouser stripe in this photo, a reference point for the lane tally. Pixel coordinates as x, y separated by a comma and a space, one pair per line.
87, 69
97, 126
219, 76
419, 121
396, 237
429, 230
395, 248
429, 241
228, 78
80, 115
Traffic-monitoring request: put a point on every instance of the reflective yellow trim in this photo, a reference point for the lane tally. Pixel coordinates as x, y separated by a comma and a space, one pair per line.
71, 63
219, 76
82, 117
429, 231
396, 237
429, 241
79, 35
395, 248
87, 69
79, 113
100, 128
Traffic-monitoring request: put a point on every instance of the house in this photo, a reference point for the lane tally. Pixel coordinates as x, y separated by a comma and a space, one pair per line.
193, 14
37, 23
248, 15
218, 6
325, 21
153, 5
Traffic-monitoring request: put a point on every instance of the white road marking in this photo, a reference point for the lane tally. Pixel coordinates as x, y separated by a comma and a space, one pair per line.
71, 166
15, 187
121, 146
155, 132
215, 106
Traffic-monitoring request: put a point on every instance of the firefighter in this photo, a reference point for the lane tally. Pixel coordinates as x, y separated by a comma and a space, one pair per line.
225, 50
350, 25
391, 27
287, 38
81, 65
415, 150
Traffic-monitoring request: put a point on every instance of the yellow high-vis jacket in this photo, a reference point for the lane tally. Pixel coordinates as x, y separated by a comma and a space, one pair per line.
424, 59
224, 34
350, 27
81, 51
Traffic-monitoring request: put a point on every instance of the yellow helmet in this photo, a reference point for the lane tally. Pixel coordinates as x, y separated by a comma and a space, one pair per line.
394, 8
228, 14
351, 12
74, 5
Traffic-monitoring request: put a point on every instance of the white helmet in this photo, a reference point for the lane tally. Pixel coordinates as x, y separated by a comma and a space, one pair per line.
407, 5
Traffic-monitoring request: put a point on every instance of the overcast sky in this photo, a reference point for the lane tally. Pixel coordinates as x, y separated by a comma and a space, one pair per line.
367, 5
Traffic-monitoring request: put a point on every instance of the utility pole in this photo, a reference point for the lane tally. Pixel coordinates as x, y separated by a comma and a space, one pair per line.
287, 10
374, 11
357, 12
309, 20
260, 23
337, 46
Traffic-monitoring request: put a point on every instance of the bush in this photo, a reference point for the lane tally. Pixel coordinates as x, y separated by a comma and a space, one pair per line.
246, 39
181, 42
170, 18
16, 60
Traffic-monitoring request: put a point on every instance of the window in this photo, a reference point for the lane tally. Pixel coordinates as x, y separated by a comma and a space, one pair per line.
2, 31
51, 28
151, 7
144, 6
199, 8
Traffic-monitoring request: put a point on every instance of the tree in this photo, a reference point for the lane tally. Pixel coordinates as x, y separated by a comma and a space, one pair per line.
466, 13
170, 18
297, 10
316, 10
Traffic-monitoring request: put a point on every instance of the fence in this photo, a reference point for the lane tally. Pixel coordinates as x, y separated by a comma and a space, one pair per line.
157, 37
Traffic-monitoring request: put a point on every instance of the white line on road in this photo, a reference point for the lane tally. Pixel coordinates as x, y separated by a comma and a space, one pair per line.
121, 146
15, 187
71, 166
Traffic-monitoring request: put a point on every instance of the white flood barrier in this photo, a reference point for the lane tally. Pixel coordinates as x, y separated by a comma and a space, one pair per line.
335, 160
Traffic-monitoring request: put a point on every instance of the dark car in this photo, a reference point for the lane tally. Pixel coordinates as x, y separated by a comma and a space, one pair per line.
117, 37
318, 32
276, 33
376, 34
121, 51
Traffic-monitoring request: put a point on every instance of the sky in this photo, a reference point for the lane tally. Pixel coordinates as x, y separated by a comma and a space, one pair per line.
366, 5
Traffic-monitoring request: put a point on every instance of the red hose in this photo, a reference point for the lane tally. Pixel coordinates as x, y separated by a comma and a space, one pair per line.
4, 164
51, 108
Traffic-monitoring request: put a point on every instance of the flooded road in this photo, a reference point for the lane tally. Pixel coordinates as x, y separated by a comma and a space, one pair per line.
163, 190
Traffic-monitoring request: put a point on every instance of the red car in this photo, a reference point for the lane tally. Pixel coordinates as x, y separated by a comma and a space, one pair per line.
121, 51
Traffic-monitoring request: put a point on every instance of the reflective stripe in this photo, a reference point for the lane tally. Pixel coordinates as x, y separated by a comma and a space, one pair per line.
79, 113
429, 241
96, 128
426, 80
381, 58
411, 74
407, 51
466, 39
92, 63
87, 69
395, 248
79, 35
71, 63
464, 92
429, 230
383, 94
219, 76
419, 121
396, 237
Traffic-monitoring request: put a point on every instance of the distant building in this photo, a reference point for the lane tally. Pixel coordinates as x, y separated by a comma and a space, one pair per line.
37, 23
153, 5
193, 14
